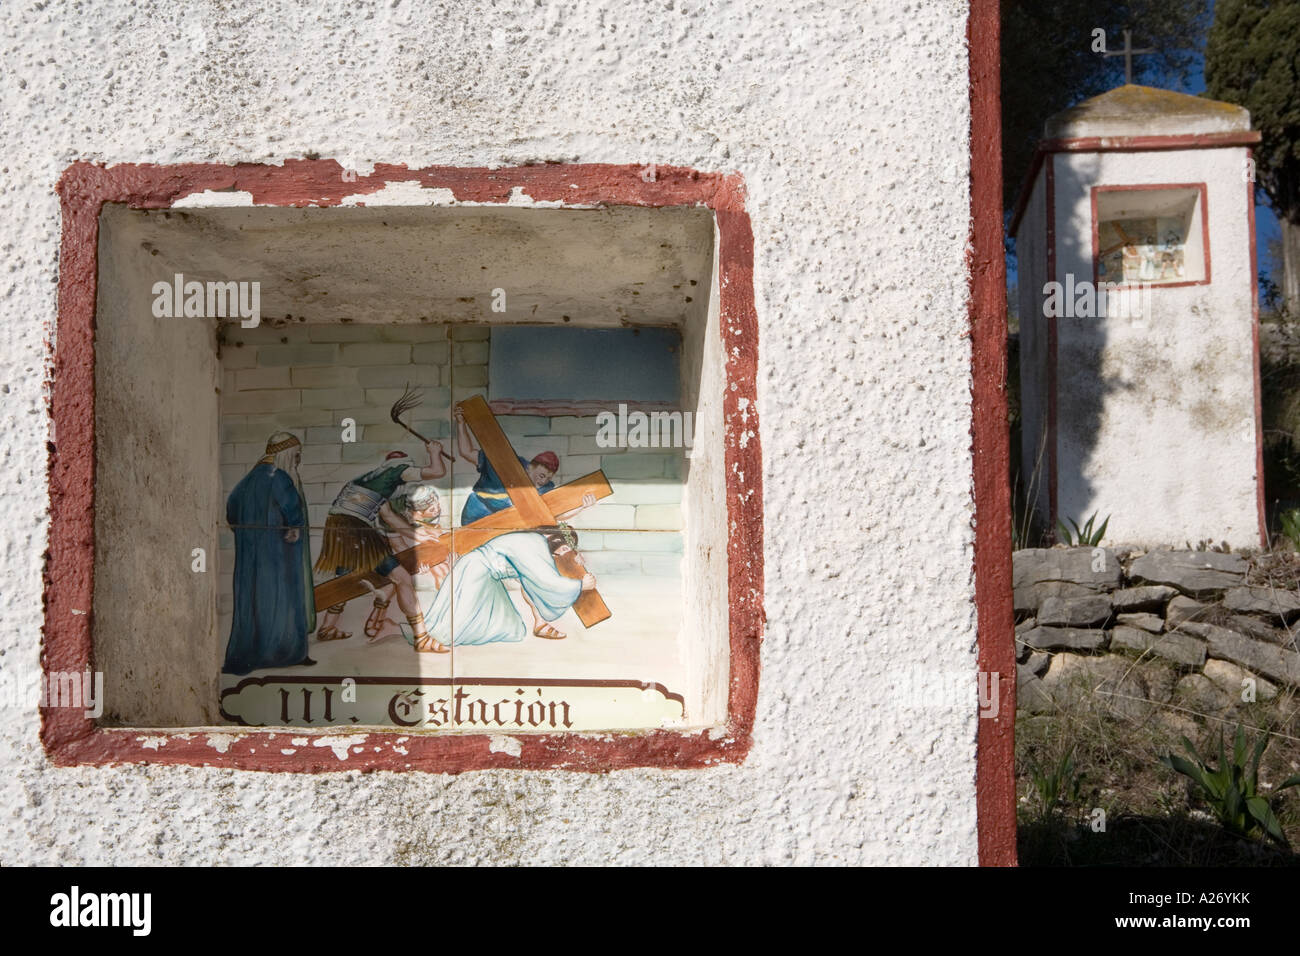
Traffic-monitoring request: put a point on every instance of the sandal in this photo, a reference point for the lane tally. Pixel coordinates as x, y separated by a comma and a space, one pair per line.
549, 632
332, 634
424, 641
375, 622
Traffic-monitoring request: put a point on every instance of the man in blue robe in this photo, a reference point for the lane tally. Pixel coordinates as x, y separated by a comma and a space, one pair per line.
489, 492
275, 608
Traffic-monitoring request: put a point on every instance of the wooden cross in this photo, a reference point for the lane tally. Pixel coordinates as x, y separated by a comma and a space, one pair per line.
1128, 53
530, 510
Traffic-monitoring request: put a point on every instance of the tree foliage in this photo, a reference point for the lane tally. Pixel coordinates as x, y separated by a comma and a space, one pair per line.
1252, 58
1048, 61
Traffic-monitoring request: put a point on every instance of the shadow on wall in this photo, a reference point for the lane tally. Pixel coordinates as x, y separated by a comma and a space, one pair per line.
1084, 385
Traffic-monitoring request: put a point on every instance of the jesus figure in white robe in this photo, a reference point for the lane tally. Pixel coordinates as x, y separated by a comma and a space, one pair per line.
476, 590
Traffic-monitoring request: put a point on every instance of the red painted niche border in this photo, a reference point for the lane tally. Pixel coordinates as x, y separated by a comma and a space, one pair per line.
72, 739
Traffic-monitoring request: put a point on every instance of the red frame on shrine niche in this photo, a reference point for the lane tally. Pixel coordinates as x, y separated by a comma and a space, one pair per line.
70, 738
1202, 200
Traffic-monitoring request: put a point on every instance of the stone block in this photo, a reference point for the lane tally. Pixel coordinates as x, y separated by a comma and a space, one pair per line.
332, 397
329, 474
325, 376
365, 452
244, 452
323, 454
1110, 684
1071, 565
1272, 604
325, 434
603, 516
1064, 639
1275, 663
293, 419
645, 492
640, 465
1232, 680
430, 353
369, 353
398, 376
1183, 609
1032, 696
232, 431
587, 445
1152, 597
1038, 662
251, 379
1200, 574
1040, 573
575, 466
1091, 611
1183, 649
634, 541
1260, 630
261, 403
1152, 623
661, 518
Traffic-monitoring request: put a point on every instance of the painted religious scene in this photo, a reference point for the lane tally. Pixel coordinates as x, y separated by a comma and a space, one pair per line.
453, 528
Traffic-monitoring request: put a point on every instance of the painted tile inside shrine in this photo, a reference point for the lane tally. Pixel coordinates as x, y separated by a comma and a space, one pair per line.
465, 529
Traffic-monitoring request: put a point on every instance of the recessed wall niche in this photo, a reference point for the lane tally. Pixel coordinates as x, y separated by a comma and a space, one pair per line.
464, 474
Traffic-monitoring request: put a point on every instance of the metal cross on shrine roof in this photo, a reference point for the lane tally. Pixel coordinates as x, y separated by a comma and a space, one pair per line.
1128, 53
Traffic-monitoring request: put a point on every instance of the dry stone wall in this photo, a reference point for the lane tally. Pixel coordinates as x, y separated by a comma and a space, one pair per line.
1191, 631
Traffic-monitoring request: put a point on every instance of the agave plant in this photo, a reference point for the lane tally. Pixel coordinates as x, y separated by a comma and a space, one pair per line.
1291, 527
1056, 784
1232, 788
1085, 536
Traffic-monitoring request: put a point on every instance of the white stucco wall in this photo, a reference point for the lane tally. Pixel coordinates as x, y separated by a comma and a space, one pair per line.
849, 122
1156, 421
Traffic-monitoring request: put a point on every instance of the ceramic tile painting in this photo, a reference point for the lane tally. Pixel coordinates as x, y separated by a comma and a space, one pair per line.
1141, 250
454, 528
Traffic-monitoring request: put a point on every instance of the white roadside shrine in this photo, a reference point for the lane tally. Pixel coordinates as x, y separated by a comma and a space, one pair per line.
1138, 320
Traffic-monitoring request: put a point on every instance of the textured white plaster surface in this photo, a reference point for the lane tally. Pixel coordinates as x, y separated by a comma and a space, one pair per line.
849, 123
1156, 415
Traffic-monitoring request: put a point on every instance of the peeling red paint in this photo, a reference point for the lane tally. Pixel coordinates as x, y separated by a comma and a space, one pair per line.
70, 738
